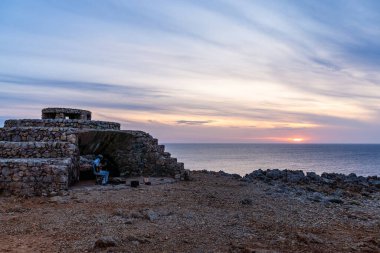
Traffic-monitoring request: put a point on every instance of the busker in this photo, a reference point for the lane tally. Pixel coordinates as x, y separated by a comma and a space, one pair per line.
98, 169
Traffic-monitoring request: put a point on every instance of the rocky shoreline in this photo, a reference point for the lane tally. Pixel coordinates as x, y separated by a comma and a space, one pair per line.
350, 183
264, 211
326, 188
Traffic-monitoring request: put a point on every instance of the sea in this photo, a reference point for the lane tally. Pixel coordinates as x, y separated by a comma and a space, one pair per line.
361, 159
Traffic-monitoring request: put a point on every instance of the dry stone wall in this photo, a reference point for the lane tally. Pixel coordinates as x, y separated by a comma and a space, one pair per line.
29, 177
68, 123
42, 157
134, 153
21, 134
37, 149
62, 113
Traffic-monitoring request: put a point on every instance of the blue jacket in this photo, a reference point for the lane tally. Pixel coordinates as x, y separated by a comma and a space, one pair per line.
95, 164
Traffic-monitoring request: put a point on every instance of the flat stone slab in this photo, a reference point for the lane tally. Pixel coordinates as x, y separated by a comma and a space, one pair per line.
37, 161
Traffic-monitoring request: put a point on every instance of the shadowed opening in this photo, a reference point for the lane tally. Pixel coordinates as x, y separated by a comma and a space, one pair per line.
115, 146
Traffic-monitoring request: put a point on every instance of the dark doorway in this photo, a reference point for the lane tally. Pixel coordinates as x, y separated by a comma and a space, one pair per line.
114, 146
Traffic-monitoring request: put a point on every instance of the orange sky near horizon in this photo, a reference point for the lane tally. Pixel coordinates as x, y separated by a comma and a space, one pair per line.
199, 71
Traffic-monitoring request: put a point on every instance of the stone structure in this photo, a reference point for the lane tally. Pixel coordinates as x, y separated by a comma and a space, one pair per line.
65, 113
68, 123
45, 156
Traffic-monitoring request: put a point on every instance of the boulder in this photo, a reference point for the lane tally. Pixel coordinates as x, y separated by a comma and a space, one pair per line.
296, 176
335, 200
316, 197
275, 174
246, 201
105, 242
151, 215
312, 176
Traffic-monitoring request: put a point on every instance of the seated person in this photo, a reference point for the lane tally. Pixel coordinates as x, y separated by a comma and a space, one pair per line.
98, 169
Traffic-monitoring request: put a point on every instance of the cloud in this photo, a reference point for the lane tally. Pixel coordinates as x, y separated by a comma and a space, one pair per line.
135, 91
194, 122
281, 66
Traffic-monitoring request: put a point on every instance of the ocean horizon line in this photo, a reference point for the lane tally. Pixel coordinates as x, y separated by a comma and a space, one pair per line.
271, 143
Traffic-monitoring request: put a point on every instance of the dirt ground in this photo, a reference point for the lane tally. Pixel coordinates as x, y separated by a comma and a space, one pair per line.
212, 213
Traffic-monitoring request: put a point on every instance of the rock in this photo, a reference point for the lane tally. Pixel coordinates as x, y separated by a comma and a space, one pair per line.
354, 203
335, 200
275, 174
120, 212
136, 243
105, 242
224, 174
139, 239
53, 193
326, 180
375, 183
186, 175
151, 215
58, 200
316, 197
296, 176
312, 176
5, 171
117, 180
128, 221
309, 238
246, 201
136, 215
257, 174
236, 176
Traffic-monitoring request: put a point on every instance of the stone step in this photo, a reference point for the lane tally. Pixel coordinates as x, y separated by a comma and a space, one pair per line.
27, 134
30, 177
66, 123
37, 149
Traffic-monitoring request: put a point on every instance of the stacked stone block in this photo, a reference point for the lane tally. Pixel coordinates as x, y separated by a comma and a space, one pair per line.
37, 149
29, 177
37, 161
63, 113
68, 123
135, 153
42, 157
22, 134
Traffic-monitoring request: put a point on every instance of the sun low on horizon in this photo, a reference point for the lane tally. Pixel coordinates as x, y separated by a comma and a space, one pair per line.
198, 71
296, 140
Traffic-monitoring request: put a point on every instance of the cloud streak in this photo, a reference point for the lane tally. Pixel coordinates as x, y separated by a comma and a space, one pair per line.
193, 122
202, 66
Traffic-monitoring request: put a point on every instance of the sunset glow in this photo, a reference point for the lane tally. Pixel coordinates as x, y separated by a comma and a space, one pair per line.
198, 71
297, 139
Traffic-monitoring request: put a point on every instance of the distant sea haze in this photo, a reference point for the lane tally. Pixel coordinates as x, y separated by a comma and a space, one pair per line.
362, 159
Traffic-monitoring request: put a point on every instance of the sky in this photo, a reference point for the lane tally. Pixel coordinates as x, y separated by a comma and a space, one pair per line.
194, 71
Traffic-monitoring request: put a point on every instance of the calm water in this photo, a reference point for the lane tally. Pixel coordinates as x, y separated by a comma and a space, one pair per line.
361, 159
